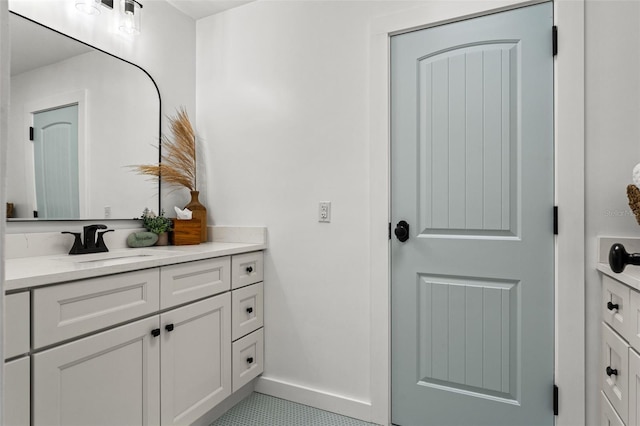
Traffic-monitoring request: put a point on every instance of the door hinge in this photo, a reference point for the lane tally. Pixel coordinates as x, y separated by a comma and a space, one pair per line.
555, 40
555, 220
389, 230
30, 133
555, 400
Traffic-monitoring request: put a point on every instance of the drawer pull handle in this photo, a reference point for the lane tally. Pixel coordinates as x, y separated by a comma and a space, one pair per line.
611, 306
249, 310
155, 332
250, 360
249, 269
168, 327
612, 371
619, 258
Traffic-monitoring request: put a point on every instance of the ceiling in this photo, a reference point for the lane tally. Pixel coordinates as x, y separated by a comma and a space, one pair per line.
201, 8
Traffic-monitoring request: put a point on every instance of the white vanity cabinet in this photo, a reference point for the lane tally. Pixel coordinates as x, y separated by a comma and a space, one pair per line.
147, 347
620, 359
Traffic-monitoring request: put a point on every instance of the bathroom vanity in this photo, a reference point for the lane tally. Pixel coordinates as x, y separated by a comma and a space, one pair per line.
620, 358
153, 336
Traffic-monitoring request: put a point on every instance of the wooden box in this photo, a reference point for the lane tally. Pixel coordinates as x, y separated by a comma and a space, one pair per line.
186, 232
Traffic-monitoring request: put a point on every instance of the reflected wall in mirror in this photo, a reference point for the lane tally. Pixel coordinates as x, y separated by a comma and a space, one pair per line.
93, 115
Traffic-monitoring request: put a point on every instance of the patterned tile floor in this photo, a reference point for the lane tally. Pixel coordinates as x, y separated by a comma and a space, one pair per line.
263, 410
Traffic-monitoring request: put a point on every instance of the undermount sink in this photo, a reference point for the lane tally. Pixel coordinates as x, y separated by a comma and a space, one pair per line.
117, 257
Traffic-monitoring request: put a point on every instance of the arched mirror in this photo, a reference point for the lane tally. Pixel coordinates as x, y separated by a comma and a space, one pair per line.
78, 119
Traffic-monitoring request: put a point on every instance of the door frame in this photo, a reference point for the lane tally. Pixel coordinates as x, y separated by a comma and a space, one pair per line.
569, 194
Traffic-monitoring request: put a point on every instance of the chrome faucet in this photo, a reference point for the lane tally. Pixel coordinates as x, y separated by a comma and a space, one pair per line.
91, 244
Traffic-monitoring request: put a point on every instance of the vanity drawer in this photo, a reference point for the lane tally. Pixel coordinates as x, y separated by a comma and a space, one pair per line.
246, 310
68, 310
608, 415
247, 269
615, 356
16, 325
248, 358
190, 281
615, 305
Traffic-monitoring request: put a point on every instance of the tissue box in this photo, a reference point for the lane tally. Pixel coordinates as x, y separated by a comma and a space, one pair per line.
186, 232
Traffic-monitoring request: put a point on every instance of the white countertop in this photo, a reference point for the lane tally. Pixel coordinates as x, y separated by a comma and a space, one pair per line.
25, 272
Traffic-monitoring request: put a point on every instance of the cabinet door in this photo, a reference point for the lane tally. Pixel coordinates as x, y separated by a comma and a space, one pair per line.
16, 393
634, 387
111, 378
196, 359
614, 373
608, 416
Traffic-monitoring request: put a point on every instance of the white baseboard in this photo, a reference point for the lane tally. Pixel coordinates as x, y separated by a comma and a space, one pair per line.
339, 404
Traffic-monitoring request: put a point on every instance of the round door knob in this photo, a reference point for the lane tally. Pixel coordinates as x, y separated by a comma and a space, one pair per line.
155, 332
612, 371
250, 360
611, 306
402, 231
249, 309
249, 269
619, 258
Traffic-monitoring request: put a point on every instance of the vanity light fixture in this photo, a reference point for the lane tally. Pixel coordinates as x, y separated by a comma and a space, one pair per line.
130, 16
92, 7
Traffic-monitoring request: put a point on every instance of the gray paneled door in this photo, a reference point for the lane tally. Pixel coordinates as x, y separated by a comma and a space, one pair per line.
472, 175
55, 156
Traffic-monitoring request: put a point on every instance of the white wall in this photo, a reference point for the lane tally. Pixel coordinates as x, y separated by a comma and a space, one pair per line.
165, 49
612, 150
282, 108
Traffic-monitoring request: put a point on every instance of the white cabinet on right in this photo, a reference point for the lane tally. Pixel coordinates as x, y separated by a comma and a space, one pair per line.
620, 361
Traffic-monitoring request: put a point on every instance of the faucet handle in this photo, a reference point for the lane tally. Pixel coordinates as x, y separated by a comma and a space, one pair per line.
100, 244
77, 243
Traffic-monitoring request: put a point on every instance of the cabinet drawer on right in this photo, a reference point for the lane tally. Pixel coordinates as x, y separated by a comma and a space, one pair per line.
246, 269
614, 371
615, 305
248, 359
246, 310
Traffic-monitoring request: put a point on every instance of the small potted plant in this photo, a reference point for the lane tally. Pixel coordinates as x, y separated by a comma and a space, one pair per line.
158, 224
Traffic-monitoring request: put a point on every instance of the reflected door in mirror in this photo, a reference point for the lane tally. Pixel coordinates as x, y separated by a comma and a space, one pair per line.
55, 149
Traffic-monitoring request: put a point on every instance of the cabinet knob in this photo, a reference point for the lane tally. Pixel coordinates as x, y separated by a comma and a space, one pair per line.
168, 327
249, 309
611, 306
250, 360
249, 269
612, 371
155, 332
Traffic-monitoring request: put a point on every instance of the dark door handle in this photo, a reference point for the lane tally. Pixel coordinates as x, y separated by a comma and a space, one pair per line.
168, 327
619, 258
249, 310
612, 371
611, 306
249, 269
250, 360
155, 332
402, 231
